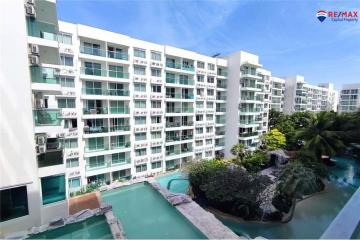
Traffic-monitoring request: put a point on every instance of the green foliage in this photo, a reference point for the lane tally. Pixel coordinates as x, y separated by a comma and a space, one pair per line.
309, 160
296, 180
275, 139
255, 161
239, 151
275, 117
231, 190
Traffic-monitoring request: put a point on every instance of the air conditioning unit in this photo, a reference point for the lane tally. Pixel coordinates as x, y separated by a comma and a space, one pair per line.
35, 49
32, 2
40, 149
40, 140
30, 10
34, 60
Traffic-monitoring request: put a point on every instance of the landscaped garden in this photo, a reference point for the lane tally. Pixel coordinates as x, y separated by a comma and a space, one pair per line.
291, 165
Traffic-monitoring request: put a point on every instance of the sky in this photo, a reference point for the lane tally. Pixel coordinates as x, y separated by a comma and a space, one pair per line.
286, 35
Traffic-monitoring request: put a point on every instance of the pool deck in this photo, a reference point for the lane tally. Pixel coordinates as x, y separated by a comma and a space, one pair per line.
205, 221
82, 202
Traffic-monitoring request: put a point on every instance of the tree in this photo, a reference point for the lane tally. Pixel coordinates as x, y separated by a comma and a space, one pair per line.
275, 117
275, 139
319, 136
255, 161
239, 151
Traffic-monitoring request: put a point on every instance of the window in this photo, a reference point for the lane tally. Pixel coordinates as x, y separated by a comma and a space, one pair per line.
66, 60
210, 79
72, 162
200, 92
74, 182
96, 162
66, 103
156, 56
14, 203
155, 135
155, 104
121, 174
95, 143
119, 158
199, 118
200, 78
140, 136
199, 142
211, 66
156, 150
210, 92
64, 38
93, 68
209, 117
139, 53
155, 120
198, 155
155, 72
140, 104
141, 168
53, 189
140, 152
139, 70
200, 104
140, 120
67, 82
156, 88
139, 87
208, 153
199, 130
210, 104
200, 64
156, 165
209, 129
70, 143
70, 123
208, 141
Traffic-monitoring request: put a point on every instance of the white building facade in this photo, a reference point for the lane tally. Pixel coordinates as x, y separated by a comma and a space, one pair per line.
349, 100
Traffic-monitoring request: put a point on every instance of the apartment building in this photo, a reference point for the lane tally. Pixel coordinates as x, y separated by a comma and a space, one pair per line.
349, 100
90, 106
301, 96
277, 93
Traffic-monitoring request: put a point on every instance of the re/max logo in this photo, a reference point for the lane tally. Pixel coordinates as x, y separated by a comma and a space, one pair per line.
345, 14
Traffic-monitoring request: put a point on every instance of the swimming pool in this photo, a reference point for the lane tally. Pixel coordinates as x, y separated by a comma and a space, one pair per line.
311, 217
177, 186
145, 214
92, 228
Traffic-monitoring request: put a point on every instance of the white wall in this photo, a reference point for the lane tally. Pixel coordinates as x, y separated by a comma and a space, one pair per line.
18, 164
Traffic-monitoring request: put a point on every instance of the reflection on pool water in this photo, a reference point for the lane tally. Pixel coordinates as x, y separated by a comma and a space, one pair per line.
145, 214
311, 217
177, 186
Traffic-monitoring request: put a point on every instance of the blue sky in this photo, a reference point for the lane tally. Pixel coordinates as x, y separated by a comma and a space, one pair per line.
285, 34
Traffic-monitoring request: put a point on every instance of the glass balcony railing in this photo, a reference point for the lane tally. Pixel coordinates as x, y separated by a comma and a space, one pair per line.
105, 92
180, 96
180, 66
118, 55
187, 110
221, 85
173, 110
41, 29
220, 97
120, 128
186, 149
250, 134
247, 122
119, 145
95, 110
222, 73
50, 158
250, 110
44, 75
96, 148
98, 165
248, 98
92, 51
119, 110
219, 144
173, 152
220, 132
47, 117
220, 121
179, 124
103, 72
177, 80
95, 129
221, 109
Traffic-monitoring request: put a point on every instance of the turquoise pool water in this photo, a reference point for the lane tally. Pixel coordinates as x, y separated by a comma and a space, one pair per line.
145, 214
177, 186
312, 216
92, 228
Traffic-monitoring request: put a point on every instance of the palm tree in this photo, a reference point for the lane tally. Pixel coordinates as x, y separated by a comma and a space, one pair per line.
320, 137
239, 150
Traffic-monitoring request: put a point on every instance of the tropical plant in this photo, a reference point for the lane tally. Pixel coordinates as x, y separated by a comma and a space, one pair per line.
239, 151
275, 139
275, 117
309, 160
319, 136
255, 161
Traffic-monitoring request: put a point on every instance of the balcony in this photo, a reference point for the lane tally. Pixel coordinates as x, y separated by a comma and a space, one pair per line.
103, 73
106, 92
177, 80
179, 124
102, 53
41, 29
44, 75
180, 66
250, 110
120, 145
219, 109
118, 55
95, 110
222, 73
47, 117
172, 152
220, 121
97, 129
218, 97
221, 85
96, 148
246, 122
179, 110
179, 96
121, 110
250, 134
53, 155
119, 128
